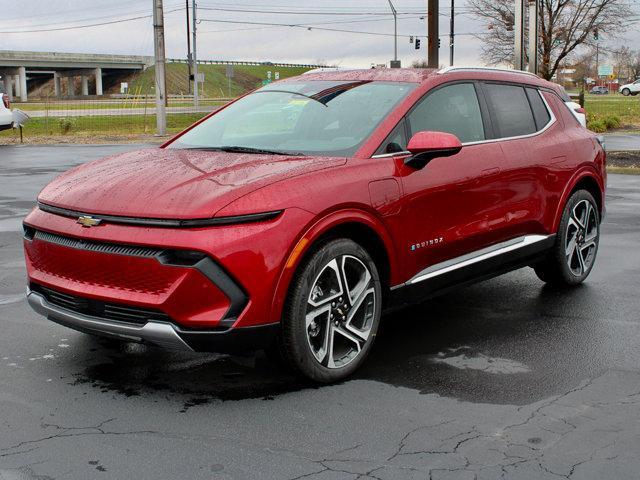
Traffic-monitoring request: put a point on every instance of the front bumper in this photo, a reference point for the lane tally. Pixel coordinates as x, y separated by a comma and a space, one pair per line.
164, 334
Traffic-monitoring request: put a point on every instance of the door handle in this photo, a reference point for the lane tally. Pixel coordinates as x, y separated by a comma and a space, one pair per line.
490, 171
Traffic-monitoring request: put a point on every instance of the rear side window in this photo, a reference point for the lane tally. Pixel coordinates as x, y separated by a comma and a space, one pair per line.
512, 115
451, 109
540, 112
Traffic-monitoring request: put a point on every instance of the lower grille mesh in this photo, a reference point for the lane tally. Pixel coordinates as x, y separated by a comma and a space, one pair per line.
97, 308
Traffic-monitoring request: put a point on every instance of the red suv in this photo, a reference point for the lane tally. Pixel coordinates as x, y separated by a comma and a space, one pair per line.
291, 218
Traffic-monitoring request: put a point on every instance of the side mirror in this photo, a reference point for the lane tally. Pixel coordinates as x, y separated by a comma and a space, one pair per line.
425, 146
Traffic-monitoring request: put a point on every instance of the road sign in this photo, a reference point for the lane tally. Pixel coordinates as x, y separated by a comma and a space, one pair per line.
200, 77
269, 74
229, 71
605, 70
277, 75
266, 82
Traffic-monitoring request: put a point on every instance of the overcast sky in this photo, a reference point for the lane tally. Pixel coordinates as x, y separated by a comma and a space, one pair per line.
224, 40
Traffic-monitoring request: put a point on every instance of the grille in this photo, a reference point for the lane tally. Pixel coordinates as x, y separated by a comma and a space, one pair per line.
96, 308
113, 248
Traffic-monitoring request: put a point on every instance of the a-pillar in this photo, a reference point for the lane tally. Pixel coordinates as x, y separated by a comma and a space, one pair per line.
56, 85
98, 73
70, 86
22, 78
85, 85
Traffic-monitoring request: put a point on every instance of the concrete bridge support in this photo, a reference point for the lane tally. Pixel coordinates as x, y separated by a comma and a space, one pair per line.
56, 85
98, 74
22, 79
85, 85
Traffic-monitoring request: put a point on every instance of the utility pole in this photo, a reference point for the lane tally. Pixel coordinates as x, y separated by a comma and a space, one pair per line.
451, 32
161, 92
433, 34
519, 35
195, 58
533, 36
188, 44
395, 63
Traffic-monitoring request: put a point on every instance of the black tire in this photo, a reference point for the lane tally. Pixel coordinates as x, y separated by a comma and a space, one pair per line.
301, 344
625, 92
568, 269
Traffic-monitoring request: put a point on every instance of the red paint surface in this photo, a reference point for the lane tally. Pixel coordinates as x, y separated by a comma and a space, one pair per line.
487, 193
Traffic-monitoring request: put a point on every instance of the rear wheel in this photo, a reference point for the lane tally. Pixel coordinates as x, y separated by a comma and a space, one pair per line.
574, 253
625, 92
332, 312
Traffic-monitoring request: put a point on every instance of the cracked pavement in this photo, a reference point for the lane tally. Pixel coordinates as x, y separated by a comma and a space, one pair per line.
503, 379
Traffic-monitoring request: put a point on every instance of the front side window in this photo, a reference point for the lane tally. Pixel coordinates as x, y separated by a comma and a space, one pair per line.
396, 142
310, 118
451, 109
512, 115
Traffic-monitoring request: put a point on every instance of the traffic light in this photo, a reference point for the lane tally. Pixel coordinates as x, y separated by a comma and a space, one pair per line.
595, 33
439, 42
417, 44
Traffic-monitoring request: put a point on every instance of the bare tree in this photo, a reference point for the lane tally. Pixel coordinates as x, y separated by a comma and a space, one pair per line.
564, 26
627, 63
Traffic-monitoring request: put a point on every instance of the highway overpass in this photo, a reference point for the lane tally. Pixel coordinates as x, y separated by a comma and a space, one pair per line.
17, 68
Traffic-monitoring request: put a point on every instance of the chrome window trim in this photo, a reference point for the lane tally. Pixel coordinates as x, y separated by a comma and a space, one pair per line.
394, 154
550, 123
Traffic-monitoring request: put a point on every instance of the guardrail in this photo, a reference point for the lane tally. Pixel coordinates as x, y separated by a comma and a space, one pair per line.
248, 63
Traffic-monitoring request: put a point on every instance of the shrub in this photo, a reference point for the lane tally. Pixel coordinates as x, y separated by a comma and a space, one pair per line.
598, 126
612, 122
66, 124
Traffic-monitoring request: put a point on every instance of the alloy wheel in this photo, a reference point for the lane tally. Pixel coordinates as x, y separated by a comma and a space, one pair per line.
340, 311
582, 238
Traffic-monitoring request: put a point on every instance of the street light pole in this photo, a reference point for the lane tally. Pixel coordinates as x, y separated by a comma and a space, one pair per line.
161, 94
433, 60
451, 32
188, 45
195, 58
395, 63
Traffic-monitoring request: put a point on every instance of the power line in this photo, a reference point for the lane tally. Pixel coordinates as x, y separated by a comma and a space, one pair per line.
283, 12
314, 27
86, 25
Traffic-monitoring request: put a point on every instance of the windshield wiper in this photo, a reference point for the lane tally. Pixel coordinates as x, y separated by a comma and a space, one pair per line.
239, 149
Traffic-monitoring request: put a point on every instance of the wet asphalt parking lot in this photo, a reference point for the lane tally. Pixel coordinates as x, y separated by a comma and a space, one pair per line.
506, 378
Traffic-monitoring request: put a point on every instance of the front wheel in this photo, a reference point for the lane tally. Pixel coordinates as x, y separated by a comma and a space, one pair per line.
332, 312
574, 253
626, 92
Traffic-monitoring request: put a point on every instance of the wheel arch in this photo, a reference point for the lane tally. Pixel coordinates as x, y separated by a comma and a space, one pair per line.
360, 226
584, 180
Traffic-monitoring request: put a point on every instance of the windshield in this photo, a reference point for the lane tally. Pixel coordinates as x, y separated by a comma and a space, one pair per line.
311, 118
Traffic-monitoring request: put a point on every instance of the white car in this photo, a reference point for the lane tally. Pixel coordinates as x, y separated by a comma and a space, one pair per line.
578, 112
6, 115
630, 88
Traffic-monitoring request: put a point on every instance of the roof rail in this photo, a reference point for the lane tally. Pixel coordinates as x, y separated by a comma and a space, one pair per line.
484, 69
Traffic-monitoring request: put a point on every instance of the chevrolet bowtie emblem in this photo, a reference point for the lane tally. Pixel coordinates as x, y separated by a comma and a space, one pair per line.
88, 221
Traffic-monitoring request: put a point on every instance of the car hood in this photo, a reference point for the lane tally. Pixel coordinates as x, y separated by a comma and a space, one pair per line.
172, 183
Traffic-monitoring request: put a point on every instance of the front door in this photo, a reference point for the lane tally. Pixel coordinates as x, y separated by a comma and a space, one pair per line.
451, 204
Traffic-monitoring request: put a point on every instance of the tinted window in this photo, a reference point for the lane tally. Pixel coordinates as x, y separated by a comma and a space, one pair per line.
540, 112
452, 109
512, 114
395, 142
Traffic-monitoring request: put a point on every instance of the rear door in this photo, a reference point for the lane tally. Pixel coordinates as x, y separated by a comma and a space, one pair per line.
520, 119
